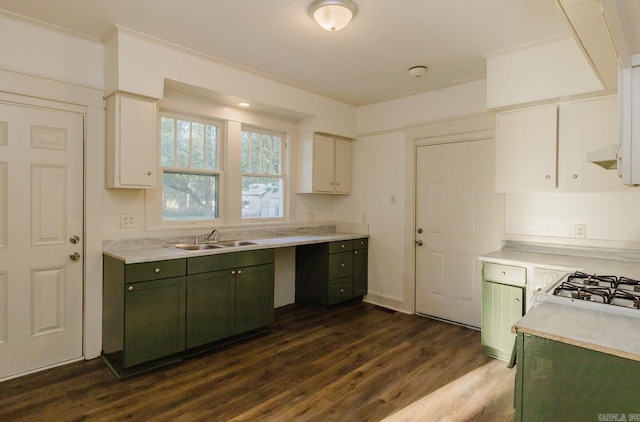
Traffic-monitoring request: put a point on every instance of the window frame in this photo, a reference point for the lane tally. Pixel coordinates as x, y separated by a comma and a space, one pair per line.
282, 176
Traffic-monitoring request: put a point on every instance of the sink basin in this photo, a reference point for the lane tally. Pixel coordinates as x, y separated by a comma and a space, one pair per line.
233, 243
196, 247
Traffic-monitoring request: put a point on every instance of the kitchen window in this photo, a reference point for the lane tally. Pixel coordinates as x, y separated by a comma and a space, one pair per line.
261, 164
189, 158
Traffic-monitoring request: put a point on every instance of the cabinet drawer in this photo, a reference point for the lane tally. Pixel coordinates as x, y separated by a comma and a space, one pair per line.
360, 243
224, 261
505, 274
340, 265
340, 290
155, 270
341, 246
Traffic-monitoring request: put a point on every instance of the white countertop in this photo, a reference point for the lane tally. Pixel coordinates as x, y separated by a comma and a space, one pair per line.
605, 332
608, 265
161, 253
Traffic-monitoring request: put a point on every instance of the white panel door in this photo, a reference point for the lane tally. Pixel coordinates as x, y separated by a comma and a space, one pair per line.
41, 212
455, 199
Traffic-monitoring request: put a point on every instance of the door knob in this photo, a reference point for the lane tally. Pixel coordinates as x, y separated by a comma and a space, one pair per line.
74, 256
74, 239
419, 242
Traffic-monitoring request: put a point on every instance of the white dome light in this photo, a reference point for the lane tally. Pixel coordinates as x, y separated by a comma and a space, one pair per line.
332, 15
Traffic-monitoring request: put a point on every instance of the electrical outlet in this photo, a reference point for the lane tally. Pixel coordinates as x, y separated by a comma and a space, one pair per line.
127, 221
580, 230
364, 217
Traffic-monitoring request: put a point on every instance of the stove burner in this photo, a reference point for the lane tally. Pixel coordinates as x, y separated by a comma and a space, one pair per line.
593, 280
581, 294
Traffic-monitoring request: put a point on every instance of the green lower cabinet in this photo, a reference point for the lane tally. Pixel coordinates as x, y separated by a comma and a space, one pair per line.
153, 320
560, 382
210, 308
254, 298
502, 306
360, 268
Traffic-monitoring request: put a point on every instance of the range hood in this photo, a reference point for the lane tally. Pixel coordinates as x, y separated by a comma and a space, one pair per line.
606, 157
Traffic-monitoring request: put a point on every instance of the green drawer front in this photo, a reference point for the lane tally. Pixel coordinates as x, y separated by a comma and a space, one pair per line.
340, 265
341, 246
360, 243
155, 270
208, 263
340, 290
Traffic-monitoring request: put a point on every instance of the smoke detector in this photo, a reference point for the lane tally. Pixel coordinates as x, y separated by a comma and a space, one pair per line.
418, 71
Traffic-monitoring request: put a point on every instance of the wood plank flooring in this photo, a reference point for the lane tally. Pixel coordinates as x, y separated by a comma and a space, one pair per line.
357, 363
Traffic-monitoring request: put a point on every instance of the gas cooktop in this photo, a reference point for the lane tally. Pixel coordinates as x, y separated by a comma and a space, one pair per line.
603, 289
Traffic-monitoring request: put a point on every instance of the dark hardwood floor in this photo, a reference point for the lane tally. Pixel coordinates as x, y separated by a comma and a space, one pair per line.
357, 363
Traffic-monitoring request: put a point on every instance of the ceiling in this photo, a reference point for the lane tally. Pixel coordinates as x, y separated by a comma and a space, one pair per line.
366, 62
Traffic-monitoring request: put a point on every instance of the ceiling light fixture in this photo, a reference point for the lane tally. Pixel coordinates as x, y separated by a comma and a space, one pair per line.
418, 71
332, 15
244, 104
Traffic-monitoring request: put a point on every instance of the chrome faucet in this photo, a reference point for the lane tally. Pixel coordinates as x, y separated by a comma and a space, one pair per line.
207, 238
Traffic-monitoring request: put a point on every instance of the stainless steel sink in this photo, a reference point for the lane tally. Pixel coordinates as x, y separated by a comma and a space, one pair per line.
234, 243
196, 246
211, 245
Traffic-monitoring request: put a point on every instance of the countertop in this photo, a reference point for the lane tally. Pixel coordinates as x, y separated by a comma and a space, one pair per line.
161, 253
613, 334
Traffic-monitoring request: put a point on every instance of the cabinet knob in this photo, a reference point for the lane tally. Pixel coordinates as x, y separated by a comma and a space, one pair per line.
517, 300
233, 272
341, 290
148, 172
342, 246
548, 176
503, 273
338, 184
130, 288
239, 271
574, 176
342, 265
355, 253
157, 270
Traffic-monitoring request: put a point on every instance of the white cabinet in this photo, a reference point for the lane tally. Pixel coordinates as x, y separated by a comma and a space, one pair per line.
586, 126
130, 141
629, 164
325, 165
526, 142
545, 148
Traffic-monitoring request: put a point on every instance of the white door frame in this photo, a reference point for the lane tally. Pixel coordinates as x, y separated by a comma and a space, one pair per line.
439, 131
21, 88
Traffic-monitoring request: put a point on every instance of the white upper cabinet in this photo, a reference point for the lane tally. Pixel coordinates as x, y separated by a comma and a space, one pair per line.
545, 148
526, 143
586, 126
325, 165
131, 123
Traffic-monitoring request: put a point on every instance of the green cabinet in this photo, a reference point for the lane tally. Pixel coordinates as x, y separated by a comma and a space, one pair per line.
156, 312
502, 306
229, 294
153, 320
331, 273
143, 310
562, 382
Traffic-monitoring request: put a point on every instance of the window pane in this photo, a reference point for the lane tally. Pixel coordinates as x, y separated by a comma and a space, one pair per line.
266, 154
255, 153
167, 142
197, 145
189, 196
261, 197
211, 147
184, 144
245, 148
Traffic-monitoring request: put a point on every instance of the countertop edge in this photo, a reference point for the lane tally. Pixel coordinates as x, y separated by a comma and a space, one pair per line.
161, 253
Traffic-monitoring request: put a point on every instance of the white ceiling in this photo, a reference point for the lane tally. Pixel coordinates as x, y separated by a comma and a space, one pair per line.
365, 63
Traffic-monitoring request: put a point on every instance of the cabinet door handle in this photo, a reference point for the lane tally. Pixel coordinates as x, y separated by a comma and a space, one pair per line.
517, 300
574, 176
548, 176
148, 173
503, 273
355, 253
342, 265
341, 290
233, 272
239, 271
342, 246
130, 288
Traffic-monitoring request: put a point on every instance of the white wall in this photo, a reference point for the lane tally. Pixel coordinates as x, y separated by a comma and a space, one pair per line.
383, 166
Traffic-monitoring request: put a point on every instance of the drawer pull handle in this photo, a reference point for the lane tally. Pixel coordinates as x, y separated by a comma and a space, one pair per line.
503, 273
342, 246
342, 265
341, 290
157, 270
355, 253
